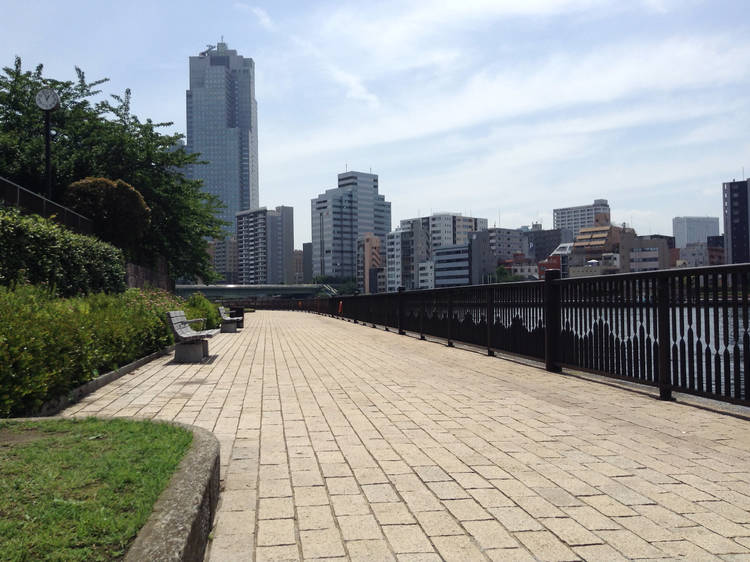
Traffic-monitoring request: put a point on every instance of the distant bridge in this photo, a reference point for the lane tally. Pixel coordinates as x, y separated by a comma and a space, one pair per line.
245, 292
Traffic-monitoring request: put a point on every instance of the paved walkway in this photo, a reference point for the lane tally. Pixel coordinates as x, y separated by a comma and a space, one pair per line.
340, 441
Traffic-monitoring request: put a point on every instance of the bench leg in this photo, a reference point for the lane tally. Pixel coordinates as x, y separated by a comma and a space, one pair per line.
228, 326
190, 352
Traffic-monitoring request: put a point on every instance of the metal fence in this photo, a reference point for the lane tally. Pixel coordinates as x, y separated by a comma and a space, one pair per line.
681, 329
13, 195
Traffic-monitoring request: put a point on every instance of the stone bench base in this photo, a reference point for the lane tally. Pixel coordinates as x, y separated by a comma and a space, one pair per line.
191, 351
229, 326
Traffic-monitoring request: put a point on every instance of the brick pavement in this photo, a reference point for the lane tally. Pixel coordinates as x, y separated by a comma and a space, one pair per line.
343, 442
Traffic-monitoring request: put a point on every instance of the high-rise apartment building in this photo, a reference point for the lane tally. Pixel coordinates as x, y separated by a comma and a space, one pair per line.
340, 216
508, 242
583, 216
406, 248
736, 196
691, 230
265, 246
222, 125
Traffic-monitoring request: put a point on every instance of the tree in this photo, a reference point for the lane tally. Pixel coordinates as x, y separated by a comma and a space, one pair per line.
103, 139
118, 210
503, 275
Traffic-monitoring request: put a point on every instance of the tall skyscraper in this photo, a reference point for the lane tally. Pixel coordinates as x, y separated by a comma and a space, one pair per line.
265, 246
222, 125
340, 216
737, 221
583, 216
691, 230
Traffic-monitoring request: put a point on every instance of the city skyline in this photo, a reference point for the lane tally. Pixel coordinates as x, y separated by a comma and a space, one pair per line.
501, 110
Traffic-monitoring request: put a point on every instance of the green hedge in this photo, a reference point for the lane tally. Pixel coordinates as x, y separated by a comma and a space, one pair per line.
42, 252
51, 345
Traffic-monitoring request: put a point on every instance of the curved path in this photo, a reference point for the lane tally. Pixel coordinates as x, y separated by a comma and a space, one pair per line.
340, 441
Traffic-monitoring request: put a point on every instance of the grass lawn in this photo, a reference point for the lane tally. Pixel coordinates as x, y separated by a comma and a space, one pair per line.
81, 489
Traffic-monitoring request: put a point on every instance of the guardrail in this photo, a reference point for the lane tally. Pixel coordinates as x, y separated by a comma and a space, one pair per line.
681, 329
14, 195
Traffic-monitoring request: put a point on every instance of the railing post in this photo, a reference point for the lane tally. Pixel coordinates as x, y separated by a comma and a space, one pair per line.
450, 317
401, 311
551, 319
662, 319
490, 316
421, 319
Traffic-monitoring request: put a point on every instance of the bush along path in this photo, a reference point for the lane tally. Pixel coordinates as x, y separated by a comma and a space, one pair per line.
50, 345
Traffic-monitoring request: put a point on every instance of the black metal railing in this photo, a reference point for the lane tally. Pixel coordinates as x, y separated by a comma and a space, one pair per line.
13, 195
681, 329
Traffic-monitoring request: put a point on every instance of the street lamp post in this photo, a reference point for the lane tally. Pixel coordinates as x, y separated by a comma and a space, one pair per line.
47, 100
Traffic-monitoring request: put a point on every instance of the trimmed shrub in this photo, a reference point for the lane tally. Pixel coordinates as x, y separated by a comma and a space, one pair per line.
49, 345
198, 306
39, 251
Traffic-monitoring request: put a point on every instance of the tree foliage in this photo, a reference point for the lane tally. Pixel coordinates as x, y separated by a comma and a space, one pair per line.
118, 210
103, 139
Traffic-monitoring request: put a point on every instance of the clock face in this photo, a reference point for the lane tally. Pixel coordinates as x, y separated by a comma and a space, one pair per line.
47, 99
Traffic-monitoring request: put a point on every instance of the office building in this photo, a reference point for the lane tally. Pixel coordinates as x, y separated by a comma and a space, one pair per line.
541, 243
508, 242
340, 216
736, 195
222, 125
223, 254
368, 257
265, 246
691, 230
471, 263
583, 216
447, 229
644, 253
427, 275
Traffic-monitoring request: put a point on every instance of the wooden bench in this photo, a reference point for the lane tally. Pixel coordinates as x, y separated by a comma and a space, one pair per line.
229, 324
192, 345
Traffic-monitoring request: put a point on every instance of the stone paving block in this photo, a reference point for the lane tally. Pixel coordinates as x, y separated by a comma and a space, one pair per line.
490, 534
342, 485
684, 549
491, 497
321, 544
629, 544
314, 517
543, 545
421, 501
379, 493
235, 523
432, 474
646, 528
275, 532
437, 523
350, 505
509, 555
370, 476
470, 480
608, 506
466, 510
275, 508
599, 552
335, 469
570, 531
276, 553
719, 524
710, 541
515, 519
306, 478
358, 527
369, 551
664, 517
277, 488
458, 549
392, 513
447, 490
407, 538
315, 495
419, 557
238, 500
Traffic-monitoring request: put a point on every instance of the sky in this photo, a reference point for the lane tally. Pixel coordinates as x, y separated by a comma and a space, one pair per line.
502, 109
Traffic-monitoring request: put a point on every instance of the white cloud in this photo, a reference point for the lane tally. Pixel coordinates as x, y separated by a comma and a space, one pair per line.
262, 16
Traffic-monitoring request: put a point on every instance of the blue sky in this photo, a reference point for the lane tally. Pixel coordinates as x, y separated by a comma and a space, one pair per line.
501, 109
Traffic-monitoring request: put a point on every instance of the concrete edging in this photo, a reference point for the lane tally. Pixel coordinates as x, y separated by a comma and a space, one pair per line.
182, 518
56, 405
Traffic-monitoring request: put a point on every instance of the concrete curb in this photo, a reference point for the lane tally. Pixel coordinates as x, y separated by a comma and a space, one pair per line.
56, 405
183, 515
182, 518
